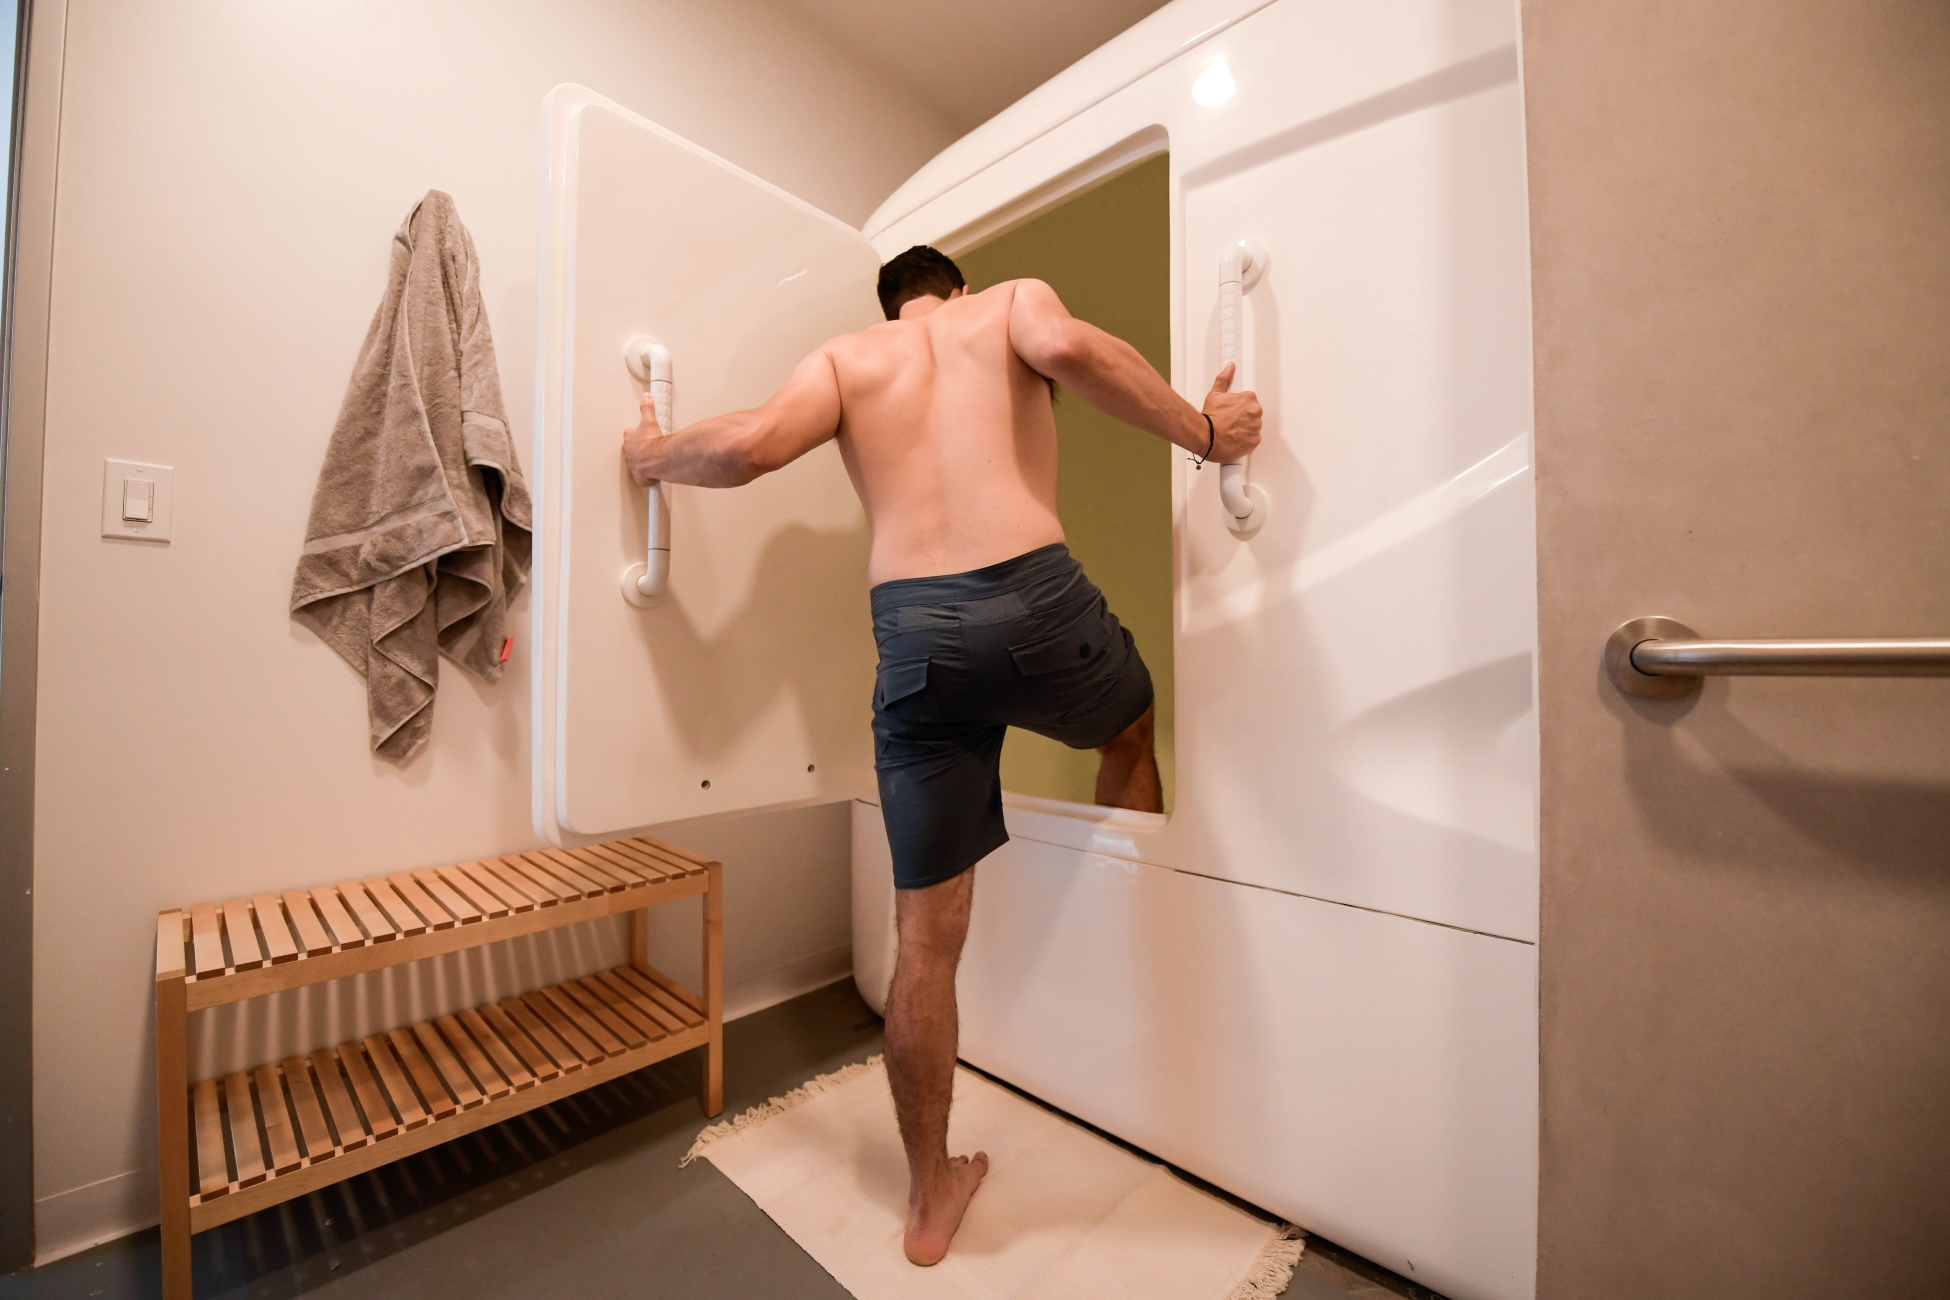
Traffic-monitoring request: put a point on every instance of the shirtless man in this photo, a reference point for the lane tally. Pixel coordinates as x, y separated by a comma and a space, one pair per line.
983, 619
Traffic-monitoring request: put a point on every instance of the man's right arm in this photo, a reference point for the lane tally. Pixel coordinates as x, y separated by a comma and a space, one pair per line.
732, 450
1108, 373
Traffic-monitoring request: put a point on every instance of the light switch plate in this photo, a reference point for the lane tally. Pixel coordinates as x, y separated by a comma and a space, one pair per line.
115, 476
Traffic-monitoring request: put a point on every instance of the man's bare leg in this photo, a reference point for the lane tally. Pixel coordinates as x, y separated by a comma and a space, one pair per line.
1128, 776
922, 1026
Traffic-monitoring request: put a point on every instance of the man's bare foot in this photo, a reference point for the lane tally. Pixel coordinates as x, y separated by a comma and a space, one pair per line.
933, 1217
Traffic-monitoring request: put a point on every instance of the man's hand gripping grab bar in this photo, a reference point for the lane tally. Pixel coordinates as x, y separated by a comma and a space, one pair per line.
643, 583
1241, 267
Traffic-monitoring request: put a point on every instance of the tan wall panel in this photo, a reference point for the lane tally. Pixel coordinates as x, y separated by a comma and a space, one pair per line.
1741, 241
230, 178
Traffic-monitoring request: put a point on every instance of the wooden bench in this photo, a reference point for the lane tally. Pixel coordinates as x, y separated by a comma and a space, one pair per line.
235, 1145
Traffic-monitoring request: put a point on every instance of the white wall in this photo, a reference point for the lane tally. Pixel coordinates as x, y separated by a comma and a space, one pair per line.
230, 175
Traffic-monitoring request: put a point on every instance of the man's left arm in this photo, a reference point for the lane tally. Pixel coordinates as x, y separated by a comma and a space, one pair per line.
732, 450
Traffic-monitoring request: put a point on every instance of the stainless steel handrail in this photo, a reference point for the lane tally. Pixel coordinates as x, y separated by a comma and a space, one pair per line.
1660, 658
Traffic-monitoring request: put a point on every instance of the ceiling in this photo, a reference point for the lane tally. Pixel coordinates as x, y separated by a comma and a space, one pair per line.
968, 60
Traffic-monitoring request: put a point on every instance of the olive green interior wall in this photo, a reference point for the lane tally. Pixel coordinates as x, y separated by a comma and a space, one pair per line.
1108, 254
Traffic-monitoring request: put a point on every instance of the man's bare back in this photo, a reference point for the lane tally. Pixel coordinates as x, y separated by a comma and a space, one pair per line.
944, 418
949, 437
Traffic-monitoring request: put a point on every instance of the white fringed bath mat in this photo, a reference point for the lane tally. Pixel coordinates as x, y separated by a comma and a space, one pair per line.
1062, 1215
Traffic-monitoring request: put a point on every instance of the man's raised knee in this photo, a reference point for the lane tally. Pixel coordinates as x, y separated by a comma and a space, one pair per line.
1139, 736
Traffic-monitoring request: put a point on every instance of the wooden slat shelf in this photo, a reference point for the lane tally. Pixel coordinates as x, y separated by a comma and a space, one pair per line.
235, 1145
262, 1135
247, 948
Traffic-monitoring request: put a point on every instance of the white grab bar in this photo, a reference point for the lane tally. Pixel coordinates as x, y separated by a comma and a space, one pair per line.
1246, 503
643, 583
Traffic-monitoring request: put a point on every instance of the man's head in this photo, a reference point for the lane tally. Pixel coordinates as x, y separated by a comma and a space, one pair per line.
920, 272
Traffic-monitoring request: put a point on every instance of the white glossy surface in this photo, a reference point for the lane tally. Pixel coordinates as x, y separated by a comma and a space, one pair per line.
873, 906
748, 683
1225, 986
1148, 44
1355, 712
1370, 1077
1356, 735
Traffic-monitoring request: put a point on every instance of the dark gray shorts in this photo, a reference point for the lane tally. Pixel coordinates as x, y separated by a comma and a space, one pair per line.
1025, 643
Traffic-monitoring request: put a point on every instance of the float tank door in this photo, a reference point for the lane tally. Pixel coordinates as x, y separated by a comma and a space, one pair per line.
747, 682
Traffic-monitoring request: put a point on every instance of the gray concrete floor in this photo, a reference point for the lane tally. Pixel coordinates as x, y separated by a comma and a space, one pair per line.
582, 1197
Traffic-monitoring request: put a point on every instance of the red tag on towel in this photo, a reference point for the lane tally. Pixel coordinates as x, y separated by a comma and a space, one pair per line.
507, 648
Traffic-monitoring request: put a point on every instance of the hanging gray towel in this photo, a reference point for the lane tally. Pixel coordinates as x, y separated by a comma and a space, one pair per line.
419, 532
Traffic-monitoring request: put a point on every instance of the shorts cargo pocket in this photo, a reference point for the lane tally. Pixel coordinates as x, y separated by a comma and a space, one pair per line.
1068, 669
1083, 641
899, 679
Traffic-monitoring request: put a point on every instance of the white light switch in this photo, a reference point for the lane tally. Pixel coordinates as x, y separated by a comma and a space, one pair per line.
136, 500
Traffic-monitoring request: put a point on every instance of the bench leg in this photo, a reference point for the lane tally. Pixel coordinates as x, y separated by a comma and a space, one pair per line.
713, 1099
640, 938
173, 1135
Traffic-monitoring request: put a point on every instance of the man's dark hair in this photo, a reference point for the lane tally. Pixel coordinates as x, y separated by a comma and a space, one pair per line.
920, 272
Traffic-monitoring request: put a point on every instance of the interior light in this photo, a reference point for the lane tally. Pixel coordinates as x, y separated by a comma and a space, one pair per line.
1214, 85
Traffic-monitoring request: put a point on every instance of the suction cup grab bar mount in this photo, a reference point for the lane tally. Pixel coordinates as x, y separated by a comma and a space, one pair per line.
1241, 267
644, 583
1661, 658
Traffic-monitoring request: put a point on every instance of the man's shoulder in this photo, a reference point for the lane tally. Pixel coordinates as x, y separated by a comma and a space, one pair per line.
885, 338
1003, 294
873, 338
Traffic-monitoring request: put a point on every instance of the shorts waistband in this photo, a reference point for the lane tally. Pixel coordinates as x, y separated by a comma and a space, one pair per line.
976, 584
